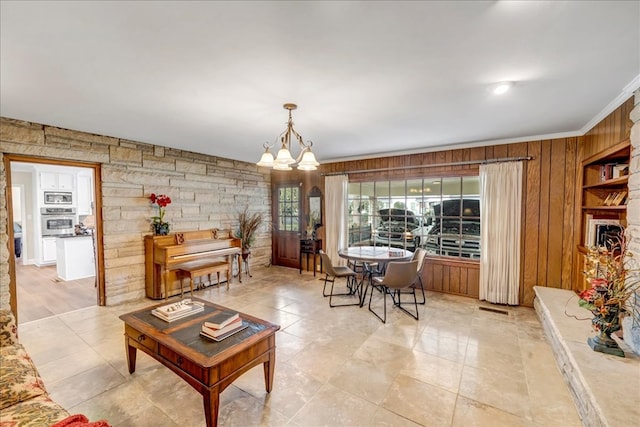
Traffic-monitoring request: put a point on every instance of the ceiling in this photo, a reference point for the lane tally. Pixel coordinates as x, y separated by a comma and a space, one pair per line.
369, 78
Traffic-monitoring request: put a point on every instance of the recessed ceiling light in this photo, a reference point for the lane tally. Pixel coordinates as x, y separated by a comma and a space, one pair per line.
502, 87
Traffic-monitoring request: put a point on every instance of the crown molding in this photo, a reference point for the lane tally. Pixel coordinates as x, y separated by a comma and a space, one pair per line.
627, 92
456, 146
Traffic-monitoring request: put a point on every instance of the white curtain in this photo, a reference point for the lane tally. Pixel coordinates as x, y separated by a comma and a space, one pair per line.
500, 230
335, 231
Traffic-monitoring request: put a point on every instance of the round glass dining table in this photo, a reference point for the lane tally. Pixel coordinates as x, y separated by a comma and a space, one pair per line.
371, 254
368, 256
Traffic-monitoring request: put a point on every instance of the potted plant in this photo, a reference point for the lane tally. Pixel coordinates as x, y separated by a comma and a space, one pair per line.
613, 283
159, 226
313, 223
248, 225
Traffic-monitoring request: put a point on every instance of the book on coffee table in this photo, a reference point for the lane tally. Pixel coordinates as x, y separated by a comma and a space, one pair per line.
222, 319
220, 334
178, 310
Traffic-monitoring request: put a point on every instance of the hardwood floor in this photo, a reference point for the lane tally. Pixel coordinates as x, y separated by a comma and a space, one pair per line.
41, 294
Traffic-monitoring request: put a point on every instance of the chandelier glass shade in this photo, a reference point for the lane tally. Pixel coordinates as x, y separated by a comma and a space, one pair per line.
284, 161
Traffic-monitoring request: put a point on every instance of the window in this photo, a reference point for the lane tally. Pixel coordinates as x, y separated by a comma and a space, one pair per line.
288, 208
440, 214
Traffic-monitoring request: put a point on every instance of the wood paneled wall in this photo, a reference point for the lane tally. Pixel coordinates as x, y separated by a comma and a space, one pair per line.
548, 206
452, 277
611, 130
551, 201
614, 128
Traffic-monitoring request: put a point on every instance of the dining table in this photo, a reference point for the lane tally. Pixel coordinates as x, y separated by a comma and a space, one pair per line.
373, 259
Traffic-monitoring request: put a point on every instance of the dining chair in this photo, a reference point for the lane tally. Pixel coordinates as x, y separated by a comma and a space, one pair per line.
399, 278
332, 273
419, 255
369, 271
356, 266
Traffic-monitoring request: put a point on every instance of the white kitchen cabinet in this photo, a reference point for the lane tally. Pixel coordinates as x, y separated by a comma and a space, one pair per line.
65, 182
56, 181
76, 258
48, 250
48, 180
85, 192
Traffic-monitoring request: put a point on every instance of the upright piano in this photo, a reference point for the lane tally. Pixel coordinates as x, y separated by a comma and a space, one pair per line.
164, 255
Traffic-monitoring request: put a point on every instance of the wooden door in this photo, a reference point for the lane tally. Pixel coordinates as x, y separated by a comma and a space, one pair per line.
287, 224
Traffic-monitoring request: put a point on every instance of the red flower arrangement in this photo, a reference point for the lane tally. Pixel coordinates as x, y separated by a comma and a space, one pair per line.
613, 282
161, 200
159, 226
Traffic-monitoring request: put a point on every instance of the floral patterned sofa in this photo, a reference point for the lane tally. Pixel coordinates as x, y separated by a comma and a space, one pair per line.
23, 398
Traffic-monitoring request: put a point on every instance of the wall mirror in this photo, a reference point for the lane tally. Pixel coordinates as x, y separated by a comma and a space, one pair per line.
315, 207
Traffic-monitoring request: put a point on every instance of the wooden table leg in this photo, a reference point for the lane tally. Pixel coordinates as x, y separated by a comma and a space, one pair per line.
246, 264
269, 367
211, 405
237, 258
131, 355
166, 284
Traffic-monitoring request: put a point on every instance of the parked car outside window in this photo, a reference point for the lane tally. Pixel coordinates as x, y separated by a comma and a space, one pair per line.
454, 234
400, 228
456, 238
440, 214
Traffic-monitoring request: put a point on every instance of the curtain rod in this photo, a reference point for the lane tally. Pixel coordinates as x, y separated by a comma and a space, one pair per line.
434, 165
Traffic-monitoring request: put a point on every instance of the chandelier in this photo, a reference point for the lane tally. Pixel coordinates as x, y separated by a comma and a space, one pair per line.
284, 160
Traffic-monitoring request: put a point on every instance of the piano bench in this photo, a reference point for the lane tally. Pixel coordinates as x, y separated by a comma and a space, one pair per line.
203, 269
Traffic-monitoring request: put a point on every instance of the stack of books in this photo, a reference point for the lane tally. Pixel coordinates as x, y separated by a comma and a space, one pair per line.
222, 325
178, 310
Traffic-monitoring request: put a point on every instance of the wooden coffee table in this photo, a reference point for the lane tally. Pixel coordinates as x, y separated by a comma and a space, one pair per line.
207, 366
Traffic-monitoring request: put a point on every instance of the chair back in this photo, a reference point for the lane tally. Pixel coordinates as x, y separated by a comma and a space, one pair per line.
400, 274
419, 255
327, 264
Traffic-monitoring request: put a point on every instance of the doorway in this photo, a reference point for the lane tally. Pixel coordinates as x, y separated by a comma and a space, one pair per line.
287, 224
55, 266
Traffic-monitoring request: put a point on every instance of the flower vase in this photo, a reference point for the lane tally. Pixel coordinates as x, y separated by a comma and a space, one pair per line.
160, 229
606, 324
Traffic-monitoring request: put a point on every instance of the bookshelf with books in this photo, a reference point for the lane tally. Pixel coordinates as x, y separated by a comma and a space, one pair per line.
604, 193
605, 186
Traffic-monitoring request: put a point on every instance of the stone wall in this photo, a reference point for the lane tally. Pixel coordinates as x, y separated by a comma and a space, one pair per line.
206, 192
4, 238
631, 325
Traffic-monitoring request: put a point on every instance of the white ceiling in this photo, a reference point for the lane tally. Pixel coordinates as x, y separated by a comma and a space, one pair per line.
368, 77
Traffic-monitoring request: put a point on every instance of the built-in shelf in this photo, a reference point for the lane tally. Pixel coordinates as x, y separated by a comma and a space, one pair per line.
620, 151
616, 182
605, 184
606, 208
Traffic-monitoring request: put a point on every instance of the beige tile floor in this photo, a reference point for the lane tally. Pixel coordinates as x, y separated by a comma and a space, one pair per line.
457, 366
